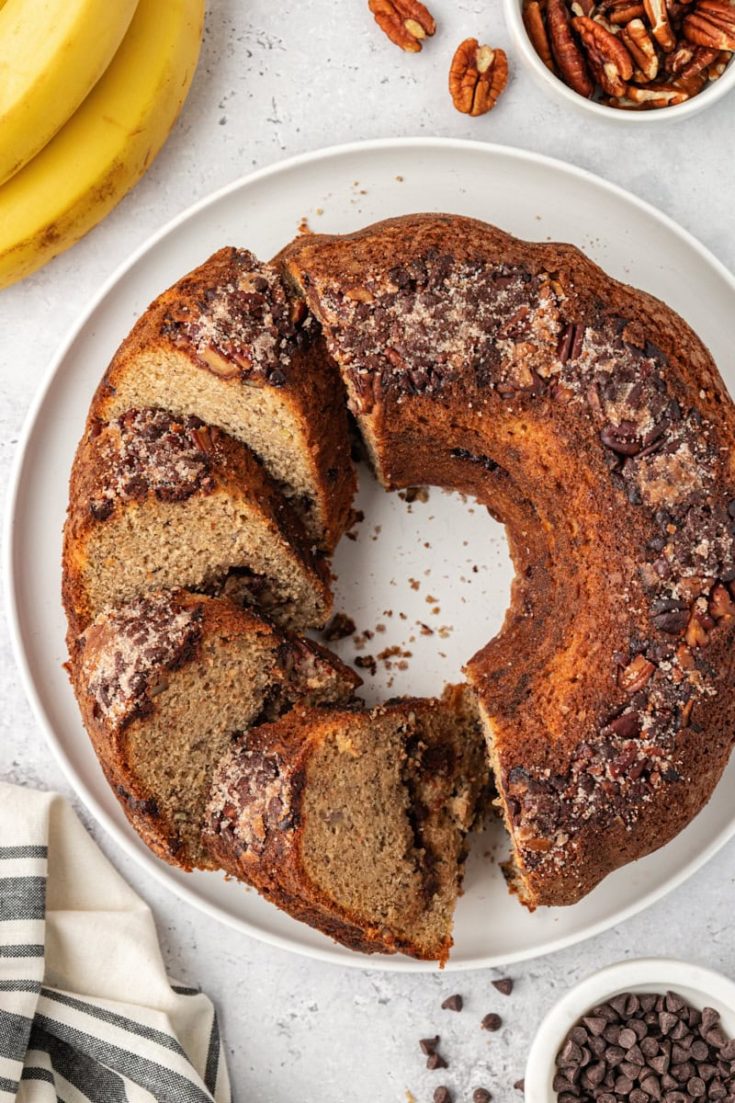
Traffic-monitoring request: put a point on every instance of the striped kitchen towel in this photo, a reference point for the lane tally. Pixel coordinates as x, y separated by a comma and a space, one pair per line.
87, 1013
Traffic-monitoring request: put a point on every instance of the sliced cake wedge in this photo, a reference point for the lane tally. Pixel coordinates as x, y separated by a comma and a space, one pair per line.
164, 681
227, 344
356, 821
158, 501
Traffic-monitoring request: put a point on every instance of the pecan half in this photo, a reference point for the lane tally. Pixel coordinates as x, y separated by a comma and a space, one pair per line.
657, 14
711, 24
533, 20
567, 54
718, 66
406, 22
658, 95
721, 604
583, 7
609, 59
683, 56
641, 48
636, 674
622, 11
477, 77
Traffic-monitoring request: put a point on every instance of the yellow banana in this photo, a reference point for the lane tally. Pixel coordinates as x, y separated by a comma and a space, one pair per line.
109, 142
52, 52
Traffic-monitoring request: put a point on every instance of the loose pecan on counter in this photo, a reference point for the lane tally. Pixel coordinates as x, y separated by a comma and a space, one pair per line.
477, 77
406, 22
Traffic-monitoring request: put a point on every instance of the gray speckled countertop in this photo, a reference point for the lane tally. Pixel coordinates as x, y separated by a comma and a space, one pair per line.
276, 79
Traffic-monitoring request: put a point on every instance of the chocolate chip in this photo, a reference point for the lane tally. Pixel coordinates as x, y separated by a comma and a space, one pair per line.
520, 1085
696, 1087
442, 1095
595, 1024
436, 1061
622, 439
627, 1038
651, 1086
638, 1096
672, 624
453, 1003
428, 1045
481, 1095
666, 1022
623, 1085
570, 1054
594, 1075
493, 1022
504, 985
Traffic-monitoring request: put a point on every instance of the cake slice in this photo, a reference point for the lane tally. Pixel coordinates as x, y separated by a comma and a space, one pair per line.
228, 345
355, 822
158, 501
164, 681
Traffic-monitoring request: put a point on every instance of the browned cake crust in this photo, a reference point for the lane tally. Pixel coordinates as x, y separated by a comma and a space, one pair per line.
262, 806
226, 343
153, 463
134, 662
591, 420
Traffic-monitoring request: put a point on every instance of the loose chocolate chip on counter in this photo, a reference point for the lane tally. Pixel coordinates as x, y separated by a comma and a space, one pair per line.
436, 1061
442, 1095
504, 986
453, 1003
428, 1045
491, 1022
481, 1095
520, 1085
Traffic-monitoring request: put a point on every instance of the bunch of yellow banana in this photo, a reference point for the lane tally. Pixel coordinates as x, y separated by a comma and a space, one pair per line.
89, 90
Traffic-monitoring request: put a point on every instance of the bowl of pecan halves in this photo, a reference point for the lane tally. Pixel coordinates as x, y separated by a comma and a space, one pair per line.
629, 59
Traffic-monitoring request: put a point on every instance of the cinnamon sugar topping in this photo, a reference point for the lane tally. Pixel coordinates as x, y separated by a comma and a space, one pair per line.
153, 452
135, 646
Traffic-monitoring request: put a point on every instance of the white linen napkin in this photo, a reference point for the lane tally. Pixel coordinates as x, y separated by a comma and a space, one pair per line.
87, 1013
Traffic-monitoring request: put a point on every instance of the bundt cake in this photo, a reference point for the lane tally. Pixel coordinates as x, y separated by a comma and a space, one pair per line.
158, 501
228, 345
165, 681
355, 822
584, 414
590, 418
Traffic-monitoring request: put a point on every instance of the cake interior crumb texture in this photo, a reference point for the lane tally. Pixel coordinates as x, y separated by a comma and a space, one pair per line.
196, 544
174, 750
387, 805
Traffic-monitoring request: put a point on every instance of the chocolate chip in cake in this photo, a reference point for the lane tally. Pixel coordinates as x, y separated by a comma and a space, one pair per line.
453, 1003
492, 1022
504, 985
339, 627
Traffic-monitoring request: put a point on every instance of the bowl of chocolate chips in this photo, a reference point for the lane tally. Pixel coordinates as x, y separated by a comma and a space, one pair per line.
646, 1031
630, 61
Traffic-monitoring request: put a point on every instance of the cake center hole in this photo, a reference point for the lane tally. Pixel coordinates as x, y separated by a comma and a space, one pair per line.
425, 576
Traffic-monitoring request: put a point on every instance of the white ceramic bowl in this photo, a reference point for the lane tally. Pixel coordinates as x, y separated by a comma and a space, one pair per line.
700, 987
558, 90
